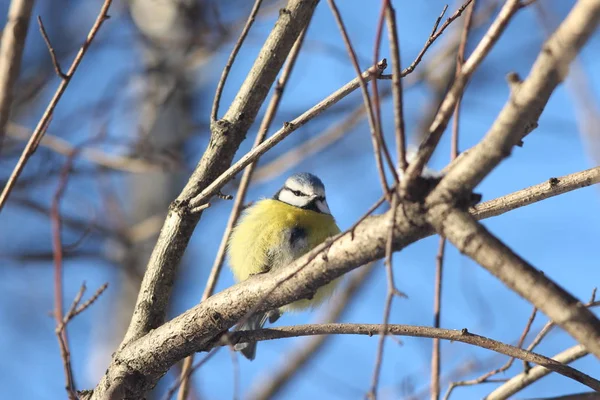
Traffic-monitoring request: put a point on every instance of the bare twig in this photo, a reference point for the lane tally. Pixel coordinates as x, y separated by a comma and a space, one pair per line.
463, 336
11, 51
231, 60
55, 62
281, 134
437, 305
486, 377
524, 379
42, 125
447, 107
241, 194
548, 327
391, 292
439, 270
379, 146
435, 33
390, 15
552, 187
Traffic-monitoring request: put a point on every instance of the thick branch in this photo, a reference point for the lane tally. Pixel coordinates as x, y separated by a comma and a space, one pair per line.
527, 101
472, 239
197, 328
227, 134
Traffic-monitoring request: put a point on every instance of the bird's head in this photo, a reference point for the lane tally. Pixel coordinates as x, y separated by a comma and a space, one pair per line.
305, 191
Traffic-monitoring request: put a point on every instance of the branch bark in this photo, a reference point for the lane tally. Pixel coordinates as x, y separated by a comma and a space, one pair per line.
11, 50
226, 136
524, 379
463, 336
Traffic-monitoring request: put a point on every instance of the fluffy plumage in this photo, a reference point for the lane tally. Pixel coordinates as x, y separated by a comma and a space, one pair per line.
274, 232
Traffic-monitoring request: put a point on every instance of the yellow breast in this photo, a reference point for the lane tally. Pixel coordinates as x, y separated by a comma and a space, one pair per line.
258, 242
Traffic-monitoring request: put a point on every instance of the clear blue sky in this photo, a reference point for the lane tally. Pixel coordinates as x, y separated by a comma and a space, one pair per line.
558, 235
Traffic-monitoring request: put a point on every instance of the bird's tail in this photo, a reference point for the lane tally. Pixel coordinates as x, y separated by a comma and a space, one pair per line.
256, 321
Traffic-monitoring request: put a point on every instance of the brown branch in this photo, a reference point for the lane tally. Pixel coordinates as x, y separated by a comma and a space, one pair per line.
514, 122
198, 328
524, 379
55, 62
552, 187
226, 137
11, 51
231, 60
391, 292
551, 324
435, 33
440, 122
463, 336
390, 15
439, 270
42, 125
437, 305
241, 194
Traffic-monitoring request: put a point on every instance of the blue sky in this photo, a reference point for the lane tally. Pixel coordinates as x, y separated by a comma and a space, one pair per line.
558, 235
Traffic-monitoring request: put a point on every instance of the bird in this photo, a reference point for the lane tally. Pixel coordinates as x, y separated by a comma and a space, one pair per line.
272, 233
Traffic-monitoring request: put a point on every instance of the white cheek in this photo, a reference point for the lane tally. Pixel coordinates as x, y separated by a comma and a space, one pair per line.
288, 197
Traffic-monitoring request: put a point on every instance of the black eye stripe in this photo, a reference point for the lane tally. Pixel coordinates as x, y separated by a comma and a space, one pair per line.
296, 192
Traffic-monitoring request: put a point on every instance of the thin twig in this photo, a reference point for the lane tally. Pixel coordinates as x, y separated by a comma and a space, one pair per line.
524, 379
282, 133
241, 193
486, 377
379, 146
440, 122
42, 125
11, 51
463, 336
524, 197
435, 33
439, 271
390, 16
230, 61
437, 305
55, 62
391, 292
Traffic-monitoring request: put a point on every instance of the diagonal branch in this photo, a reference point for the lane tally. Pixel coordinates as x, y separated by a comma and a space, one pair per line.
472, 239
198, 328
524, 379
44, 121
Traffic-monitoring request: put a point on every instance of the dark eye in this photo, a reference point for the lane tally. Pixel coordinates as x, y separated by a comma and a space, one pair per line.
297, 193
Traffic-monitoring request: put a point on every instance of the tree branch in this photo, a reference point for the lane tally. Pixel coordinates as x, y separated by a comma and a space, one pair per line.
11, 50
463, 336
43, 123
524, 379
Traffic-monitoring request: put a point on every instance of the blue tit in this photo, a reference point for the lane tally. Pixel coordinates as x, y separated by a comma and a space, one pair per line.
274, 232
